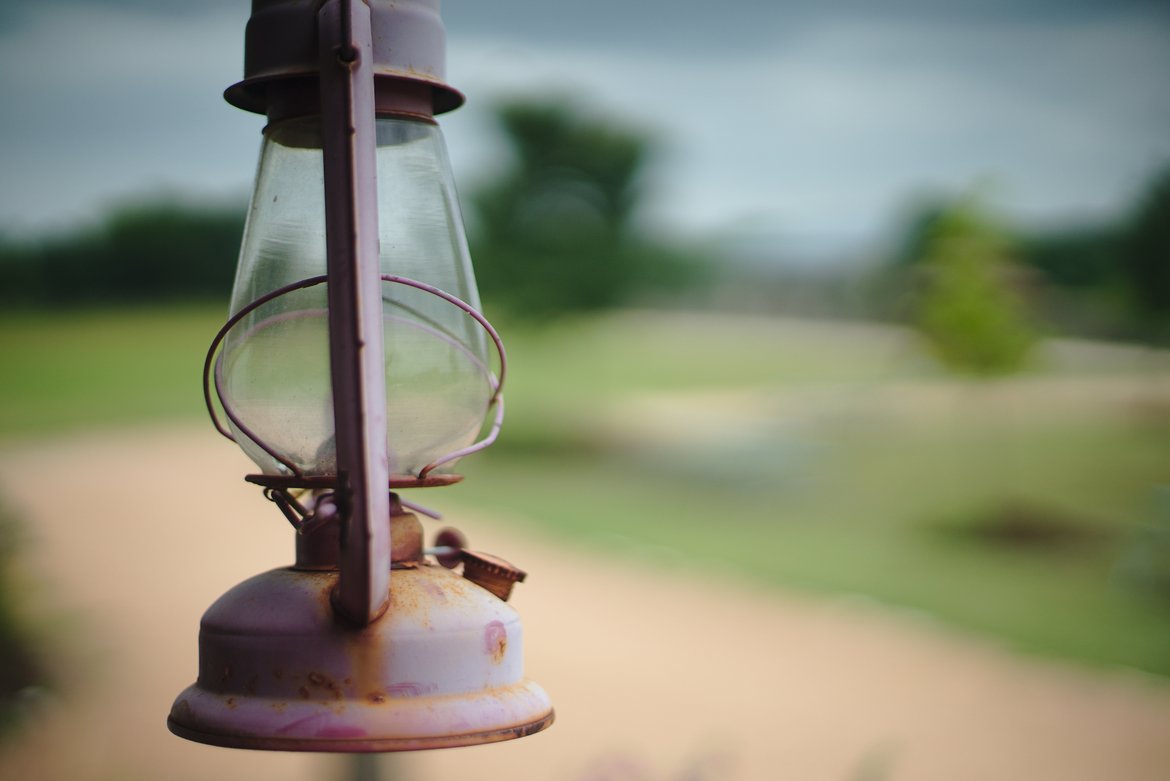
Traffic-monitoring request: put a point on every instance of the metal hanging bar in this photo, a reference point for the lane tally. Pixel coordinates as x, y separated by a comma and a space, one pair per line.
356, 354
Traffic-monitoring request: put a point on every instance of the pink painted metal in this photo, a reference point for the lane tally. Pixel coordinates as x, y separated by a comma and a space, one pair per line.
356, 355
442, 667
410, 48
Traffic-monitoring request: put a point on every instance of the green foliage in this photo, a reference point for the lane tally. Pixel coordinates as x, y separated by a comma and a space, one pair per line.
1080, 258
966, 309
555, 232
828, 469
1107, 279
855, 506
163, 251
1145, 257
21, 671
917, 233
1145, 562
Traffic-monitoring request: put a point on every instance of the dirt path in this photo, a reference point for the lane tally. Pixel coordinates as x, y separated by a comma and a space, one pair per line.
656, 676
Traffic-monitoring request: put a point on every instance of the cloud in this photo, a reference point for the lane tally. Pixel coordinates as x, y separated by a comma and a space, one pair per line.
830, 130
818, 117
112, 102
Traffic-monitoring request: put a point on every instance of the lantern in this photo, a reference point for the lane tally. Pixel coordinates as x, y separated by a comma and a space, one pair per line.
355, 363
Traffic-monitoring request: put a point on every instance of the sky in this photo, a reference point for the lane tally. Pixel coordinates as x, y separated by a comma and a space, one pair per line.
817, 123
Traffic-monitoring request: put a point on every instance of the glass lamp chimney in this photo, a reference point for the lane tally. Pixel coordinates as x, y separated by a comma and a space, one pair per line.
275, 368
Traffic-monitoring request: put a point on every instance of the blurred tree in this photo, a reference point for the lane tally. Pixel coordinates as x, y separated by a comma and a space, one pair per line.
1106, 279
555, 231
172, 250
917, 232
1082, 258
1079, 285
24, 277
966, 306
1145, 258
159, 251
23, 671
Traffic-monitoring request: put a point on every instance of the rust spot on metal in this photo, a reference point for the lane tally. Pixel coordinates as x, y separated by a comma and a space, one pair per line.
325, 595
231, 702
250, 687
434, 590
279, 707
304, 693
406, 537
495, 640
525, 730
377, 698
365, 664
412, 600
323, 681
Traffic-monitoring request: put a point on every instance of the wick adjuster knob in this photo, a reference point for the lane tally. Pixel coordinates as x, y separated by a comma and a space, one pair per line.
492, 573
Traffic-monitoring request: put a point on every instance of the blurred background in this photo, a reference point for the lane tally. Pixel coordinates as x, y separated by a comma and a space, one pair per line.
837, 330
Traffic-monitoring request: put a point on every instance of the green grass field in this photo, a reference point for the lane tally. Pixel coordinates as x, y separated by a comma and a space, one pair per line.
824, 457
82, 369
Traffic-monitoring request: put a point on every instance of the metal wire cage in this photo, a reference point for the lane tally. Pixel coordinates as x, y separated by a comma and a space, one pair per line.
279, 487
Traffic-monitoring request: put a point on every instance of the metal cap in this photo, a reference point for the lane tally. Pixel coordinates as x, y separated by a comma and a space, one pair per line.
492, 573
280, 47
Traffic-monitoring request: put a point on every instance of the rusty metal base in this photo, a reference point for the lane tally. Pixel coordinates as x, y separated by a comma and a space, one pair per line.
443, 666
359, 745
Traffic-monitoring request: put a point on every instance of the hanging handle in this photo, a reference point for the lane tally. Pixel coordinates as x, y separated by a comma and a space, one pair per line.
214, 381
356, 355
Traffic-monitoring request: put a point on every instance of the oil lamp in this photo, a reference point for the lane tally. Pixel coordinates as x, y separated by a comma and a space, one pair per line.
355, 363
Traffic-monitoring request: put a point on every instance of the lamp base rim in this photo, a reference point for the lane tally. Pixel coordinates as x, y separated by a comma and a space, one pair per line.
367, 745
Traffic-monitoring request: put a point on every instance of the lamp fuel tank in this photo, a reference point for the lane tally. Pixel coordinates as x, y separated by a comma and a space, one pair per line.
279, 669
